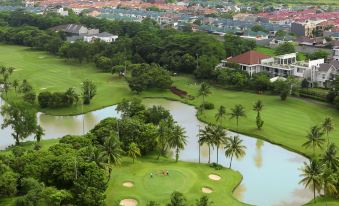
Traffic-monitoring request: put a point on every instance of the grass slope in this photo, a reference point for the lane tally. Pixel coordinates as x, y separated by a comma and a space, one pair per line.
184, 177
286, 122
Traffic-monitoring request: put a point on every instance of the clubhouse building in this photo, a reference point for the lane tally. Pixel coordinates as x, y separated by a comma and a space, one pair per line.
317, 72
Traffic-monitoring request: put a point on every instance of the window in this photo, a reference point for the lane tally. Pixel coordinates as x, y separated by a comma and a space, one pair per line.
324, 76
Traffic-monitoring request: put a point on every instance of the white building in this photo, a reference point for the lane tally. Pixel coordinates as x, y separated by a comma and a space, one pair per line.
316, 71
336, 53
104, 36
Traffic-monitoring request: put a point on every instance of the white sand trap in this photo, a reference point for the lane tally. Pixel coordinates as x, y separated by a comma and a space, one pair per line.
128, 202
128, 184
214, 177
206, 190
43, 88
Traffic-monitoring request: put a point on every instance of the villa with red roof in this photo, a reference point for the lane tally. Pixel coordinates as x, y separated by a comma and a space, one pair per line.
249, 61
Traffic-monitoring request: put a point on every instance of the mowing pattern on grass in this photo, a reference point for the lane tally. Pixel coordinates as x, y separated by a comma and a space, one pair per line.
188, 178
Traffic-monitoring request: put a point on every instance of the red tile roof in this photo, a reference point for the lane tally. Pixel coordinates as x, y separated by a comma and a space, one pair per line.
249, 58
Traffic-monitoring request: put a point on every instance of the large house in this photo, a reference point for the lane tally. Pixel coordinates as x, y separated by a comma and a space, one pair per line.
316, 71
249, 61
79, 32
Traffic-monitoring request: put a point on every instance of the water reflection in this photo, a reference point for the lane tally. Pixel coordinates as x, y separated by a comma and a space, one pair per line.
270, 173
258, 155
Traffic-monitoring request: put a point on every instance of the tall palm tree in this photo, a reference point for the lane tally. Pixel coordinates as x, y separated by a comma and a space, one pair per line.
218, 136
330, 158
204, 91
314, 138
133, 151
311, 174
237, 112
39, 132
112, 149
178, 140
220, 115
164, 133
234, 147
112, 152
328, 127
205, 137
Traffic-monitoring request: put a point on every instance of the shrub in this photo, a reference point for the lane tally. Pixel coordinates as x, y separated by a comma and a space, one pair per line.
283, 95
216, 166
207, 105
331, 96
336, 102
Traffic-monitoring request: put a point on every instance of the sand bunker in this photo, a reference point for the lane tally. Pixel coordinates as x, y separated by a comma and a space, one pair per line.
206, 190
128, 184
128, 202
214, 177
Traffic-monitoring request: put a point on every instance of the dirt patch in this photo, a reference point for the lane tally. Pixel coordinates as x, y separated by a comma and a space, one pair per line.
128, 184
128, 202
214, 177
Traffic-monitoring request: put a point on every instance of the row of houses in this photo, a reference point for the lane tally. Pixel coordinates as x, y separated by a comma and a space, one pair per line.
316, 71
79, 32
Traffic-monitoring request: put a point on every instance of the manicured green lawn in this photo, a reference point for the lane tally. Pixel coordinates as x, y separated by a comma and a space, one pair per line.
265, 50
286, 122
321, 201
188, 178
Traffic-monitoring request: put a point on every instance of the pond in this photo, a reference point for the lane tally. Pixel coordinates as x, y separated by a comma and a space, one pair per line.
270, 173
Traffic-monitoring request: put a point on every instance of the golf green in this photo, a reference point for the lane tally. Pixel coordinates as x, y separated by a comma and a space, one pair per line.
184, 177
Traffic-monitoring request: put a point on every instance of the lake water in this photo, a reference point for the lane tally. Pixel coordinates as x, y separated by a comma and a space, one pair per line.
270, 173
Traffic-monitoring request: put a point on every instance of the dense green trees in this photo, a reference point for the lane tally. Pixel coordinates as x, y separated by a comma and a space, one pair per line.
22, 120
149, 76
284, 48
48, 99
235, 45
63, 174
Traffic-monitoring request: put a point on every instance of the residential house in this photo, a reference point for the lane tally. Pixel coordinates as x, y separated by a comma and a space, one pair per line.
104, 36
72, 29
322, 75
249, 61
284, 66
336, 53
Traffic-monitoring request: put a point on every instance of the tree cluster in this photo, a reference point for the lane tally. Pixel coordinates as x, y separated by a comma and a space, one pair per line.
58, 99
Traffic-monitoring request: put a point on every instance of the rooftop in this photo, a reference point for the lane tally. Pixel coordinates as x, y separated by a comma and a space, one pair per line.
248, 58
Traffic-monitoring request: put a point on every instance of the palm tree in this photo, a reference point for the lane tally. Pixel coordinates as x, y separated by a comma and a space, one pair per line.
178, 140
218, 136
329, 180
97, 156
15, 84
330, 158
220, 115
112, 152
39, 132
237, 112
133, 151
205, 137
164, 133
258, 106
10, 70
314, 138
204, 91
234, 147
312, 173
328, 127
